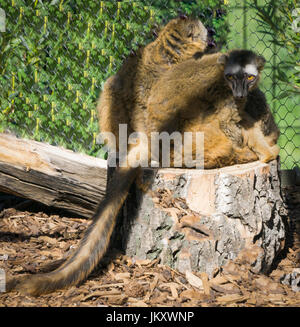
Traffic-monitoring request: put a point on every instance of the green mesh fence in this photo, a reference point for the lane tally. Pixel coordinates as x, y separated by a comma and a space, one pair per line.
247, 31
56, 55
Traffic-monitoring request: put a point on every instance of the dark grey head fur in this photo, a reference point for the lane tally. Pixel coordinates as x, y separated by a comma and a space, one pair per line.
241, 70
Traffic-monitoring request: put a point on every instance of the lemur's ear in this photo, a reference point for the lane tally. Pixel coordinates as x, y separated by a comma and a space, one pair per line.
260, 62
222, 60
183, 17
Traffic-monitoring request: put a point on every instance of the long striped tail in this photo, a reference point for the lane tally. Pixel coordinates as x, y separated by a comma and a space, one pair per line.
92, 247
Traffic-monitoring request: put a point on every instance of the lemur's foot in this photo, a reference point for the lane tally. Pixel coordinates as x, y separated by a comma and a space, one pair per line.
270, 155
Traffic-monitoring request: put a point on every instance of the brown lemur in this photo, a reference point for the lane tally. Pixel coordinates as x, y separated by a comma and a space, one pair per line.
124, 96
218, 95
211, 91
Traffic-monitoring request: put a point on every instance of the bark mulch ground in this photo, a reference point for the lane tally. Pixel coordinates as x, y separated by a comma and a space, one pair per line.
36, 239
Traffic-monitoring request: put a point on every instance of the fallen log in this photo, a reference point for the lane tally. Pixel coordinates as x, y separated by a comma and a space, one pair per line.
51, 175
190, 219
198, 220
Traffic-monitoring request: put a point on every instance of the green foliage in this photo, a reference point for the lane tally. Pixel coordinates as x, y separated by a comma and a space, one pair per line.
279, 18
278, 23
56, 55
211, 12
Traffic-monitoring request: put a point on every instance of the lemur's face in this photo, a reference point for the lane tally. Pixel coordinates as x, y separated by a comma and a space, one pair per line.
198, 32
241, 79
242, 70
191, 30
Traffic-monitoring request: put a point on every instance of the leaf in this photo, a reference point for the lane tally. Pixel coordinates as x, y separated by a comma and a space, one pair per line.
194, 280
122, 276
139, 303
192, 294
232, 298
204, 278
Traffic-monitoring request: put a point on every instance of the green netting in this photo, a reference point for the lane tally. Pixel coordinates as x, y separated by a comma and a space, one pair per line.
248, 31
55, 56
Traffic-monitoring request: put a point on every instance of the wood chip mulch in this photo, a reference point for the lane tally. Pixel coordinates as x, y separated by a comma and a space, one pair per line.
33, 241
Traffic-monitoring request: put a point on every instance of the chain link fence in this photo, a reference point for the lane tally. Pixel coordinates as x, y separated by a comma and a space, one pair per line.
56, 55
248, 31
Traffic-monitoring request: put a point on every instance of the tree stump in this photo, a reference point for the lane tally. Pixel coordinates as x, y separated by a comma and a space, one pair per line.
198, 220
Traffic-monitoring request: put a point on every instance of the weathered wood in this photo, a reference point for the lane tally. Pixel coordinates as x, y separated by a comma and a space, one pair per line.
51, 175
191, 219
199, 219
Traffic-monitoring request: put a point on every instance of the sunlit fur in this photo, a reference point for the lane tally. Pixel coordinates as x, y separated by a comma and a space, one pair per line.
191, 96
125, 94
195, 95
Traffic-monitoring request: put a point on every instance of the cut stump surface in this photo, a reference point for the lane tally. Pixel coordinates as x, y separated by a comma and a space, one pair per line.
198, 220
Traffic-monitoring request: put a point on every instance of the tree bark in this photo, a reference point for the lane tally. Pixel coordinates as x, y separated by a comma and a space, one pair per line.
198, 220
51, 175
191, 219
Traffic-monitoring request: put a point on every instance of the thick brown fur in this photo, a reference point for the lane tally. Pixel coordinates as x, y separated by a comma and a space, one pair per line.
235, 131
200, 102
124, 96
91, 248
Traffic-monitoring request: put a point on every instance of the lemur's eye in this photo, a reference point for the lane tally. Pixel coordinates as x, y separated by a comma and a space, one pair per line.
250, 77
229, 76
